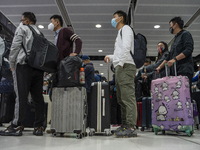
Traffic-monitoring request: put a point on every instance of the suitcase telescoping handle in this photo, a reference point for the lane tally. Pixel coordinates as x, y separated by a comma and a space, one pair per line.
108, 70
166, 67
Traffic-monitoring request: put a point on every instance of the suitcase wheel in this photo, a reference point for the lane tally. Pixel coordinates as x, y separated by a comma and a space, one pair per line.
155, 131
53, 131
163, 132
79, 136
84, 134
197, 126
189, 133
91, 133
62, 134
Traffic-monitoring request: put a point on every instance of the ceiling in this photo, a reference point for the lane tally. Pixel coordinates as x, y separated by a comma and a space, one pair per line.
85, 14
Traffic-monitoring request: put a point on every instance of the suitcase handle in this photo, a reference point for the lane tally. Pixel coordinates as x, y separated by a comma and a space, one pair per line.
104, 107
166, 67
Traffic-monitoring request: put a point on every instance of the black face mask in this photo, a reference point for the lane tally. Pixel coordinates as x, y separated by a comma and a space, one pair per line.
171, 30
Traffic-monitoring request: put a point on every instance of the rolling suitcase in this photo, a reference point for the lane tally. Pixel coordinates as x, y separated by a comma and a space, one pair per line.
172, 109
7, 106
146, 112
69, 111
100, 112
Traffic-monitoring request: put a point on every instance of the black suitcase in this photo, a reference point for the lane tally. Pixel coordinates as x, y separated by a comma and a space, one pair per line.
100, 109
7, 106
29, 118
146, 113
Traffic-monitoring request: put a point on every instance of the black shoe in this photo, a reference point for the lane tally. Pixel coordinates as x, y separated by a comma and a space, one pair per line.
129, 132
38, 131
12, 131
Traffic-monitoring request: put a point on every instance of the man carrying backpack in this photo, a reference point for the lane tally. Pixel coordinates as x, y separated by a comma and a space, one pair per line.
125, 70
26, 79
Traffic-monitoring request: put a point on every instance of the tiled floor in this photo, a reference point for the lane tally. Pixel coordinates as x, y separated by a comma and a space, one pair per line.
146, 140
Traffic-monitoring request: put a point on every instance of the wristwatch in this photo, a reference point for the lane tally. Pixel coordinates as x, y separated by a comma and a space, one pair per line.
175, 59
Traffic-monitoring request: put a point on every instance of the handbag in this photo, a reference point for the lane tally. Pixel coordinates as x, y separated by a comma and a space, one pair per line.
43, 54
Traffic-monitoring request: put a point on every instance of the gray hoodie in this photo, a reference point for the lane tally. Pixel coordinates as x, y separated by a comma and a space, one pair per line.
22, 35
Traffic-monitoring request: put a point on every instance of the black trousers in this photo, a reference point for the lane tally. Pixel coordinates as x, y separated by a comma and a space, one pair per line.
28, 80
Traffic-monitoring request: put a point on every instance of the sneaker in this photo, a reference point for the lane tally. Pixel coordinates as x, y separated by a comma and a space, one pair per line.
12, 131
128, 132
121, 128
38, 131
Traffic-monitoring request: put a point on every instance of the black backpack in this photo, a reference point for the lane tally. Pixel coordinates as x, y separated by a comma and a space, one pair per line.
5, 67
68, 72
140, 49
43, 54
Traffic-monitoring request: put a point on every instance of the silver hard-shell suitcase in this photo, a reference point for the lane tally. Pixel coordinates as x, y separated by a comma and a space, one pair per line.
69, 111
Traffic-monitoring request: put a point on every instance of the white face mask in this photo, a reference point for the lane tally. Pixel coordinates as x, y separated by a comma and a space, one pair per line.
51, 26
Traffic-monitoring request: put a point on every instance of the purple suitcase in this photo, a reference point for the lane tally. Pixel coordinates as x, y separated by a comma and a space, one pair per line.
172, 109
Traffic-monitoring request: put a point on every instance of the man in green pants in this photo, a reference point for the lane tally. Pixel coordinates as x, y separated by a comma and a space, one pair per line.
125, 70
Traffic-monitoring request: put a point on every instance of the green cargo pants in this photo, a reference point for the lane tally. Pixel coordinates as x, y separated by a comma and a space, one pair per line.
124, 78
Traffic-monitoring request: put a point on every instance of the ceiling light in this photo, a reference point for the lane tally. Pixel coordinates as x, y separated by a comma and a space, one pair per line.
100, 51
98, 26
156, 26
100, 64
102, 73
41, 26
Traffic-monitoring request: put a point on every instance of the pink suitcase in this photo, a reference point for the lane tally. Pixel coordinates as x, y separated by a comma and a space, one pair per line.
172, 109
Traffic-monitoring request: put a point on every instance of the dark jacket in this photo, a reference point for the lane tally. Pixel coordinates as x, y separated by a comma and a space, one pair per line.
183, 43
150, 69
66, 38
89, 75
97, 77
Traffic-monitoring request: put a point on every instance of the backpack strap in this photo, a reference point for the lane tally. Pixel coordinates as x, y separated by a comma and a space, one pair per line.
132, 30
34, 32
134, 37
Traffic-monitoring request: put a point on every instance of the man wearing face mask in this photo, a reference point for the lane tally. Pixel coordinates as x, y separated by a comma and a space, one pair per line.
181, 50
64, 38
26, 79
125, 70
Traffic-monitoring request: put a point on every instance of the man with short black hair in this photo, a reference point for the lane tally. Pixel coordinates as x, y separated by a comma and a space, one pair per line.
181, 50
64, 38
125, 70
26, 79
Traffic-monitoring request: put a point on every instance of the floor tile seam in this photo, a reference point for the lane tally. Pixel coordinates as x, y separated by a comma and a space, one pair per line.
189, 140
